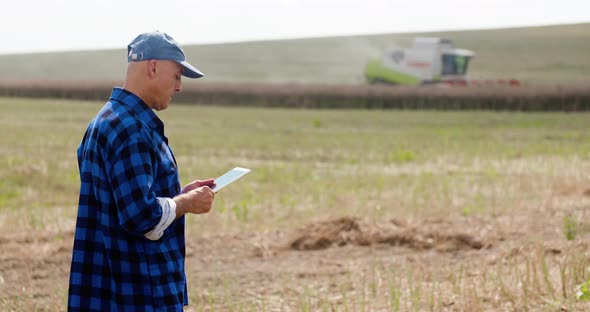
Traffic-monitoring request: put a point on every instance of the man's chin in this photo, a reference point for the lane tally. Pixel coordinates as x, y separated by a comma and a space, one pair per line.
162, 106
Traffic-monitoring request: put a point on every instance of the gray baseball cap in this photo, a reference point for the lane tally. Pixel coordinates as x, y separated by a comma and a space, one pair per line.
160, 46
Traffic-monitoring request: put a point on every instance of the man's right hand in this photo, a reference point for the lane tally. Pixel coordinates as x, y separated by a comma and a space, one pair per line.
197, 201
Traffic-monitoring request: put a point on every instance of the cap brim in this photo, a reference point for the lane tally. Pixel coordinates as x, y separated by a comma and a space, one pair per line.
190, 71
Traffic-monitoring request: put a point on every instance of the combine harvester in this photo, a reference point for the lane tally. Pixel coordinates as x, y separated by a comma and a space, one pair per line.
428, 61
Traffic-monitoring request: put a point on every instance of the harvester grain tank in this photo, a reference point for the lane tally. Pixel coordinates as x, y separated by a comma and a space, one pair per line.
429, 60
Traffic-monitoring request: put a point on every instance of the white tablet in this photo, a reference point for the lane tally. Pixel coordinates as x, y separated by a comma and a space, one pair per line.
229, 177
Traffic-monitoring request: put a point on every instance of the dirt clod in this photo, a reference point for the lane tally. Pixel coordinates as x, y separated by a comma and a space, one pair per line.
435, 234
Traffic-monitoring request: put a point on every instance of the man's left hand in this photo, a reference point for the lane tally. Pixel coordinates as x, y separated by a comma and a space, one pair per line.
198, 183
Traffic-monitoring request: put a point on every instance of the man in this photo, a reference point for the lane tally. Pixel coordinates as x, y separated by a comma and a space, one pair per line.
129, 246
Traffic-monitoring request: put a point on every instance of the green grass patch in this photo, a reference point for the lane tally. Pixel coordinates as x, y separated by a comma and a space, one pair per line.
306, 163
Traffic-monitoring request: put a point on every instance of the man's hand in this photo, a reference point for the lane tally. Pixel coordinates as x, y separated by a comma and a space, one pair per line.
198, 183
196, 198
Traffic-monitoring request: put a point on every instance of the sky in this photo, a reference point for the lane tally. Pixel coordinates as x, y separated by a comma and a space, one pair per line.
64, 25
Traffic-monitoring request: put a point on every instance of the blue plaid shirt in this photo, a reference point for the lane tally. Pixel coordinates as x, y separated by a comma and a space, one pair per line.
125, 163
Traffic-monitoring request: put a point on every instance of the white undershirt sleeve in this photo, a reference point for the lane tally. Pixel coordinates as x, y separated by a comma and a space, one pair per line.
168, 215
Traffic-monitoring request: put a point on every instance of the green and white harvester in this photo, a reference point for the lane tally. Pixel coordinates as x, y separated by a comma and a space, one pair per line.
429, 60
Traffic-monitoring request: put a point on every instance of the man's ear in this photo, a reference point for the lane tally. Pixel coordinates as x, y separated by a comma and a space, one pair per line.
151, 68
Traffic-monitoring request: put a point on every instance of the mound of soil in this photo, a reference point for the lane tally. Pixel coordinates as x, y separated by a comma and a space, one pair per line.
435, 234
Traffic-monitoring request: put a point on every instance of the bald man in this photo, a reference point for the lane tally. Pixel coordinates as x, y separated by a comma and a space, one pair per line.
129, 244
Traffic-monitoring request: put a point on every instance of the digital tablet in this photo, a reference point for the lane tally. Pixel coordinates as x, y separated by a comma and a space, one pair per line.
229, 177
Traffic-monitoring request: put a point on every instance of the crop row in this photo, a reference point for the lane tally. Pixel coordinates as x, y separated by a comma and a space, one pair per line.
522, 98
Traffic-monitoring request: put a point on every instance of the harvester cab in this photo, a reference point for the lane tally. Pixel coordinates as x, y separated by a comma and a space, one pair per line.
429, 60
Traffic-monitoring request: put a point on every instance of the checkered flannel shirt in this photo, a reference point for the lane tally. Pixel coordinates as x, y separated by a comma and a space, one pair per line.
125, 163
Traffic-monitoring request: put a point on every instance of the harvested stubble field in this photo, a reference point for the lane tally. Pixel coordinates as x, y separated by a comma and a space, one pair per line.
547, 54
346, 210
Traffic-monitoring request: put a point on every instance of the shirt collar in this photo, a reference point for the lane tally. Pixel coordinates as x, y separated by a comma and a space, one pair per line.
138, 106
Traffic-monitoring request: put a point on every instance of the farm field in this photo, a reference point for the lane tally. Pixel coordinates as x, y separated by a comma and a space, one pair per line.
556, 54
345, 210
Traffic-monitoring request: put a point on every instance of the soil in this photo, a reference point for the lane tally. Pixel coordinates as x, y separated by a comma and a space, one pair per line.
327, 259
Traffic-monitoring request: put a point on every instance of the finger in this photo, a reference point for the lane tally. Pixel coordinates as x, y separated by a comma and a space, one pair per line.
207, 182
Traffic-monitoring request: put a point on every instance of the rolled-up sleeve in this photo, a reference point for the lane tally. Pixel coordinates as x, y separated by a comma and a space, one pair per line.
168, 215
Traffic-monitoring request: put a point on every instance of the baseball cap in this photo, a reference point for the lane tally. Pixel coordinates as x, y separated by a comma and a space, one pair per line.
160, 46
